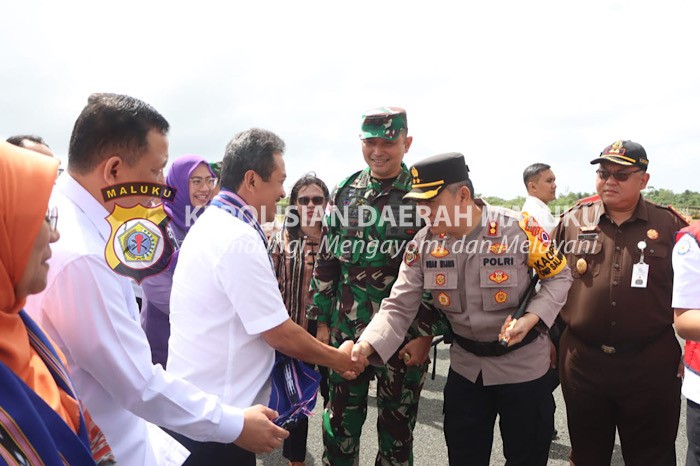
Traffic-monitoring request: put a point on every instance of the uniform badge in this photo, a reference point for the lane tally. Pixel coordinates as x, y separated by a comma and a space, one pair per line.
683, 245
440, 279
439, 252
652, 234
499, 276
498, 248
500, 297
581, 266
493, 228
444, 299
139, 244
411, 254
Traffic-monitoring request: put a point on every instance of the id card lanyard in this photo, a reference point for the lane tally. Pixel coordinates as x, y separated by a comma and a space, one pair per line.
640, 270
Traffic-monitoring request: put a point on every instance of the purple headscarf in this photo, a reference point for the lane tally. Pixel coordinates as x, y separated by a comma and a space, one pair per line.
179, 178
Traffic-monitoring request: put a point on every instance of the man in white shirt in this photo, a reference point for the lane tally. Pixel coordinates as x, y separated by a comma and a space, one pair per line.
541, 186
227, 316
686, 304
91, 313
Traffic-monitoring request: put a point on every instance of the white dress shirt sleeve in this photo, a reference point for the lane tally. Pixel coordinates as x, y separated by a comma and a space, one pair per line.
88, 305
686, 273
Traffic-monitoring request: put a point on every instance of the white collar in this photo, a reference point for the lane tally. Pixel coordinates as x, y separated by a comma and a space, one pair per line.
78, 195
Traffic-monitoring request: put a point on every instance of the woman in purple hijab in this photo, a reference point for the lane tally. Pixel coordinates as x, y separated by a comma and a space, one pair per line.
194, 181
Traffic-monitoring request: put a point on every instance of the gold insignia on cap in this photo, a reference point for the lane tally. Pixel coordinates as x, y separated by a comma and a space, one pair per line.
652, 234
581, 266
414, 174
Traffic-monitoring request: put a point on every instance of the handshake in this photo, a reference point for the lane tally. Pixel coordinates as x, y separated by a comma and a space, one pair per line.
351, 361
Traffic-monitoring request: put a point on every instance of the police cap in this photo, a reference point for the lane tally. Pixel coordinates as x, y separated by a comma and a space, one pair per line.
431, 175
627, 153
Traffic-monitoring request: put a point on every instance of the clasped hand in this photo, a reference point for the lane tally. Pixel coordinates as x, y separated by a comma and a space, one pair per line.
354, 363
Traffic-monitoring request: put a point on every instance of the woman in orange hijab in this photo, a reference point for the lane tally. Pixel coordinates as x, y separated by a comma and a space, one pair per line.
41, 421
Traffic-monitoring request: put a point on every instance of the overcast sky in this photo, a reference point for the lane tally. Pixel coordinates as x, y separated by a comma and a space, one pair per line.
507, 83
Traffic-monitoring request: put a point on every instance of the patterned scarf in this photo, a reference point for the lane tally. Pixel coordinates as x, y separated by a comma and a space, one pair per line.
234, 205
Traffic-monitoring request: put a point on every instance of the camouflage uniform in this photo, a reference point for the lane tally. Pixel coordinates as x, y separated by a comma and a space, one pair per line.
356, 268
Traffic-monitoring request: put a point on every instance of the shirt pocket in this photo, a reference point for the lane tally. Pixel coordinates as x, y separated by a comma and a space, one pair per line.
443, 285
587, 258
499, 287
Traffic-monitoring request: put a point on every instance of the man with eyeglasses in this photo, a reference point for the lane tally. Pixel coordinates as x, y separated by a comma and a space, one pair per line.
619, 357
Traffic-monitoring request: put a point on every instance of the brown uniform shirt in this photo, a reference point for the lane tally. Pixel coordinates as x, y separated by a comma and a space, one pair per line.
476, 281
603, 307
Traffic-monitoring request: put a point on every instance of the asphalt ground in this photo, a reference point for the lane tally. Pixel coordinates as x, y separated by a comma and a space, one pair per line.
429, 446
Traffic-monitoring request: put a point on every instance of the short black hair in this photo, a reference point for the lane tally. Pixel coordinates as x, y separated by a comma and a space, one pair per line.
454, 187
533, 171
19, 138
253, 149
112, 124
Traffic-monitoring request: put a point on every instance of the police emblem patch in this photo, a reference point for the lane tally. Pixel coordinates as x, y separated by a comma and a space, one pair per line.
440, 279
140, 244
444, 299
499, 276
500, 297
652, 234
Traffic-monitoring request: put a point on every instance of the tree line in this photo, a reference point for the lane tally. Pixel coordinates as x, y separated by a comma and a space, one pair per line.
687, 202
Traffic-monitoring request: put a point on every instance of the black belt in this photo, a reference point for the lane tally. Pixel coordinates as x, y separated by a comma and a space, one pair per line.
493, 348
622, 348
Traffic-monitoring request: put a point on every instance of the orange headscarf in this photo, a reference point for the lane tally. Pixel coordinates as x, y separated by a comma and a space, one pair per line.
26, 181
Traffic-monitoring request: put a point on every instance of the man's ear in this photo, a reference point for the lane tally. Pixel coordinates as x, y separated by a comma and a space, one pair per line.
112, 169
645, 180
529, 187
407, 143
250, 179
465, 195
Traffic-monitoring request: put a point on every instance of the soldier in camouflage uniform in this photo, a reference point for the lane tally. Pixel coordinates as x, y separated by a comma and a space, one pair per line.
367, 230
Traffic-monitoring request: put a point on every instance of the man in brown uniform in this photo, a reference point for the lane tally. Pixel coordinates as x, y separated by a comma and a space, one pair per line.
619, 356
475, 260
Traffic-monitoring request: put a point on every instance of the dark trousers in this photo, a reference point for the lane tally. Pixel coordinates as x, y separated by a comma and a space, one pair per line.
636, 393
526, 413
692, 458
214, 453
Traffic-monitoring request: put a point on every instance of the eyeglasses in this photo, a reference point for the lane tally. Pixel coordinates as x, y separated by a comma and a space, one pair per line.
52, 218
315, 200
619, 176
197, 181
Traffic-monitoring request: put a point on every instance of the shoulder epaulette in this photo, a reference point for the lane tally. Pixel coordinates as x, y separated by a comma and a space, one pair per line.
588, 200
671, 209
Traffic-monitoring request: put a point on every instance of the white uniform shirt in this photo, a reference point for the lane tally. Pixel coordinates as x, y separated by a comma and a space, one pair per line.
686, 295
539, 210
90, 312
224, 296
